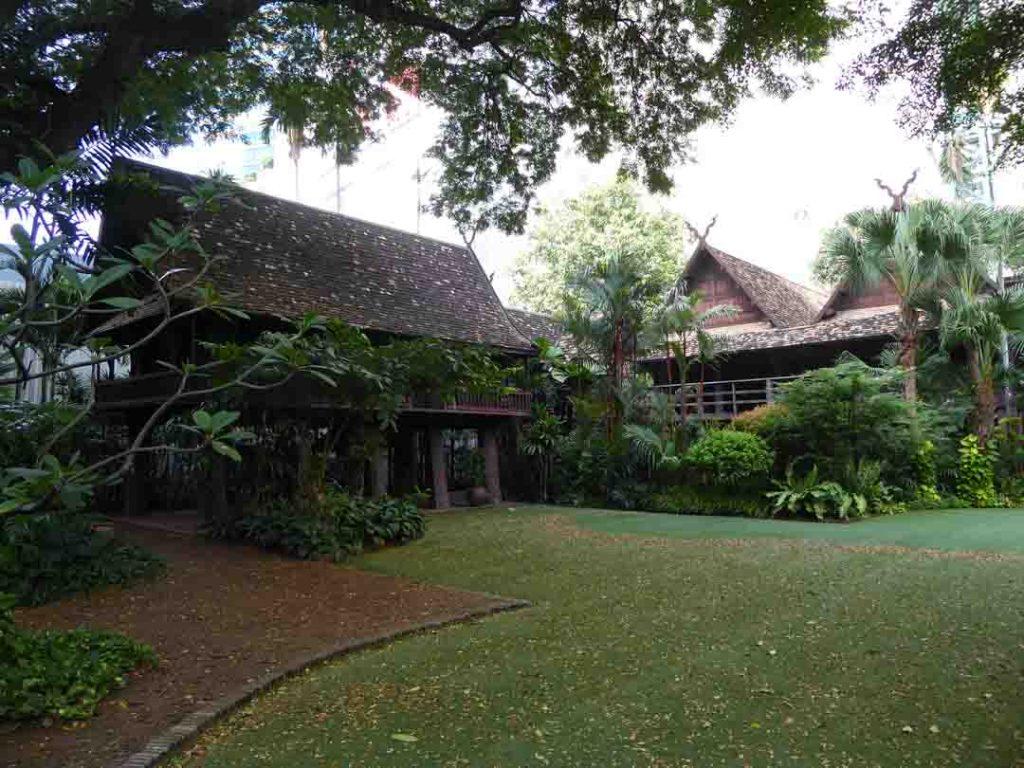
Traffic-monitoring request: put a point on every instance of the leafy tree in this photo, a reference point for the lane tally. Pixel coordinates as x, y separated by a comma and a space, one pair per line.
914, 247
513, 77
585, 233
961, 60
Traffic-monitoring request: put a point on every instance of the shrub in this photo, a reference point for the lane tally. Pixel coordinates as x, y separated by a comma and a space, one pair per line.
730, 458
339, 528
808, 497
62, 674
46, 556
849, 413
976, 473
703, 500
927, 491
764, 420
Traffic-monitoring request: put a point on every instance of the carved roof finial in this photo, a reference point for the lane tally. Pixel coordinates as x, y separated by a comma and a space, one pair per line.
701, 238
899, 202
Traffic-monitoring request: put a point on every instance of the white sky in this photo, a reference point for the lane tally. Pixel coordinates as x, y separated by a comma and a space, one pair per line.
777, 176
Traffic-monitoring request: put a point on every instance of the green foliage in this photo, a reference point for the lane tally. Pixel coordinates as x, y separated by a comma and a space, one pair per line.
341, 526
927, 492
660, 453
61, 674
730, 458
539, 438
512, 81
584, 233
834, 417
975, 480
808, 497
962, 62
705, 500
46, 556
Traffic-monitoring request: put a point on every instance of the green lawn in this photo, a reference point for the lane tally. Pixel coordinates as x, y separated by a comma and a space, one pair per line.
670, 649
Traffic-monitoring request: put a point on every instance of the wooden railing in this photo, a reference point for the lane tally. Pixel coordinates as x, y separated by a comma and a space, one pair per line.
723, 398
300, 394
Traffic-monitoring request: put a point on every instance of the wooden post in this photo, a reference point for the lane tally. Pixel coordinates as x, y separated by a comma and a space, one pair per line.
380, 471
438, 470
406, 460
492, 467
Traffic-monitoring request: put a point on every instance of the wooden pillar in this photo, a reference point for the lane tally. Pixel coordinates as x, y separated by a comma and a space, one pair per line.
492, 466
380, 471
438, 470
407, 460
136, 487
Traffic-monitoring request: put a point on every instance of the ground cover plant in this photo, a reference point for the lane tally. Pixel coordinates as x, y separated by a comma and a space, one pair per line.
44, 557
337, 526
666, 649
61, 674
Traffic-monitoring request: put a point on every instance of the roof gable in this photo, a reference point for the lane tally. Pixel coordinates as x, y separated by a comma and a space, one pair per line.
784, 303
288, 259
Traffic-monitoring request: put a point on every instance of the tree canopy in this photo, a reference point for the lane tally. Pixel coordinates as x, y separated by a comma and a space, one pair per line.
962, 59
586, 233
513, 77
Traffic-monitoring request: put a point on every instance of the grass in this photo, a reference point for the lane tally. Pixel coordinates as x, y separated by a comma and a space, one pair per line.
964, 530
670, 651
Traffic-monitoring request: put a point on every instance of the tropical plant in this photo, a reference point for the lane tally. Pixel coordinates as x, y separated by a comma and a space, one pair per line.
681, 329
845, 414
539, 438
606, 319
975, 480
975, 318
808, 497
61, 674
44, 557
913, 247
656, 450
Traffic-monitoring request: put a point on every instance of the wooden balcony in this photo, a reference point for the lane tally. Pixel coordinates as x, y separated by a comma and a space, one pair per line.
300, 394
723, 399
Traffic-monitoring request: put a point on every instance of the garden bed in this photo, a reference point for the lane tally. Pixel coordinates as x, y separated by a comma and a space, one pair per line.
224, 616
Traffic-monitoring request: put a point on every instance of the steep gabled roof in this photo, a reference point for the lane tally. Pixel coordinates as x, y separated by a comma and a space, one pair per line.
284, 258
785, 303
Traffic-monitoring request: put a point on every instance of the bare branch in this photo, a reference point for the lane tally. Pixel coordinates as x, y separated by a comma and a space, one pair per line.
898, 199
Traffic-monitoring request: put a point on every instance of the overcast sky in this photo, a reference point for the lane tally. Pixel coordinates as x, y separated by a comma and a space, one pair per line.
776, 176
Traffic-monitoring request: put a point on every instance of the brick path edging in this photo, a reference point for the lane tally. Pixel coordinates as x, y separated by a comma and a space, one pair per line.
192, 725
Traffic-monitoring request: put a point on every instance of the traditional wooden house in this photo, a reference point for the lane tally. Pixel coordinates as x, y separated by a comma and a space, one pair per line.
781, 330
280, 259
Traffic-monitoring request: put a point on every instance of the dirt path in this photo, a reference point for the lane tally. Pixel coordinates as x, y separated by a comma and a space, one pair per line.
223, 616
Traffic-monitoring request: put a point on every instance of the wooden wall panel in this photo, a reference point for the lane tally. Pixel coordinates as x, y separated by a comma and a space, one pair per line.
719, 288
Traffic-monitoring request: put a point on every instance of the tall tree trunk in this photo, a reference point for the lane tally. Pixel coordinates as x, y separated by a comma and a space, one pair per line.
984, 397
908, 352
617, 363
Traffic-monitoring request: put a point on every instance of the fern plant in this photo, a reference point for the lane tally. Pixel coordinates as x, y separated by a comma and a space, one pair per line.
660, 453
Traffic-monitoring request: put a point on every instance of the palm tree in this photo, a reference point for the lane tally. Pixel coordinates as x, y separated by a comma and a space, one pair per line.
682, 327
975, 318
606, 317
915, 248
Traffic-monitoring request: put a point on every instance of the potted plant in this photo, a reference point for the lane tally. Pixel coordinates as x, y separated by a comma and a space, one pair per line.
478, 494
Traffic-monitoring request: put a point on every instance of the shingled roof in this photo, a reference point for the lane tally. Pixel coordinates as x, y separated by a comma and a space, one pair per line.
284, 258
534, 324
785, 303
